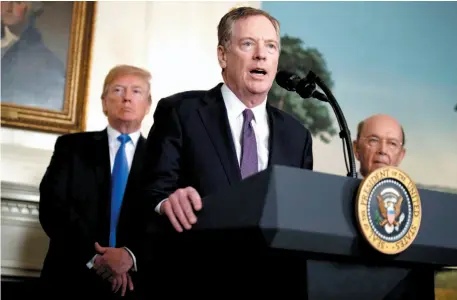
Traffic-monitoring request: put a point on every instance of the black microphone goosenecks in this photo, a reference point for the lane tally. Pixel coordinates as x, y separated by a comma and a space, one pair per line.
305, 87
287, 80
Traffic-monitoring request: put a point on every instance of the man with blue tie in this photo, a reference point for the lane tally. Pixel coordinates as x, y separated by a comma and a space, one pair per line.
204, 142
88, 206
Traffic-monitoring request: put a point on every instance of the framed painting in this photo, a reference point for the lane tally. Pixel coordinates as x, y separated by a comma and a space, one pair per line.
46, 49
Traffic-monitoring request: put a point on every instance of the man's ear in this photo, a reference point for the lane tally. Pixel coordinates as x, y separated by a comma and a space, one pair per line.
104, 106
401, 156
222, 56
148, 109
356, 150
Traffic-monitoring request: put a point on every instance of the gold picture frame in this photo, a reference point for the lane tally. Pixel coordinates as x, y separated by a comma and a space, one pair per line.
75, 79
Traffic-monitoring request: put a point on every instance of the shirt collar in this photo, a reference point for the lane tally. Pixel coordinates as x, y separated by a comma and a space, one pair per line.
235, 107
113, 135
9, 38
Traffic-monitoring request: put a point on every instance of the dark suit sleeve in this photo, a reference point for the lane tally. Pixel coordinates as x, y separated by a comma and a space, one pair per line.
308, 152
58, 218
163, 155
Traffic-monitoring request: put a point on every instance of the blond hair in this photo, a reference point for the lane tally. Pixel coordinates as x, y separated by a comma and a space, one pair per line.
225, 27
122, 70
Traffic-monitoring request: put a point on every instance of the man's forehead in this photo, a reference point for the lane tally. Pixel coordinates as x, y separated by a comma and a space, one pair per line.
129, 79
255, 27
382, 127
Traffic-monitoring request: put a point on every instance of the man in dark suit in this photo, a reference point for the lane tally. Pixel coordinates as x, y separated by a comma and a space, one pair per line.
92, 175
203, 142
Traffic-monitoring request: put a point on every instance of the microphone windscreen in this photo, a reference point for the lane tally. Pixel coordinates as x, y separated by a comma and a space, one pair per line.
285, 80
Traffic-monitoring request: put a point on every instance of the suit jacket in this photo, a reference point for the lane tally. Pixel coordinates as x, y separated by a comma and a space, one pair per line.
190, 144
75, 195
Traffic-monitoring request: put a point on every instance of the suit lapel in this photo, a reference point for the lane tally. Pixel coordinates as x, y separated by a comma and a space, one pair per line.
215, 120
102, 167
102, 163
275, 124
130, 197
137, 161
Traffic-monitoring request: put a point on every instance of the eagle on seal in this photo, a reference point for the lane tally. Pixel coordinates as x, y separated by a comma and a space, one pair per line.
389, 203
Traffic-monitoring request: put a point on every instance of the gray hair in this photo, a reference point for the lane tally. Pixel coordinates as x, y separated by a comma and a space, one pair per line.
224, 29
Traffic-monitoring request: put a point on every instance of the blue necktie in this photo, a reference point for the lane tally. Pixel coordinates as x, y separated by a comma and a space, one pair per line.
118, 183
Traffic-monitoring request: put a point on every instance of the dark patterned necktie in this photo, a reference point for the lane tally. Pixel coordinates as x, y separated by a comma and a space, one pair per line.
249, 160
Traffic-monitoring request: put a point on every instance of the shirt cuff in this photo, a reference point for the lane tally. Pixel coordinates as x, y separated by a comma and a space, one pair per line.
157, 209
91, 262
135, 269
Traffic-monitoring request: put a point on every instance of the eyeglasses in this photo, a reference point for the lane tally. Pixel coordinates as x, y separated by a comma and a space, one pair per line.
374, 142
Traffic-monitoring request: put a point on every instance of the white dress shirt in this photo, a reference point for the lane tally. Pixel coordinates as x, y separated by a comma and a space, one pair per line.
8, 40
114, 145
235, 110
130, 146
260, 125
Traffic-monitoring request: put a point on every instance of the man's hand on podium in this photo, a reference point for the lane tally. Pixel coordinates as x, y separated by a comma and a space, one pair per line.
113, 264
180, 206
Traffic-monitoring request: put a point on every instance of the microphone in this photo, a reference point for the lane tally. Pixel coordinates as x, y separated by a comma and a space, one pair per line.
306, 88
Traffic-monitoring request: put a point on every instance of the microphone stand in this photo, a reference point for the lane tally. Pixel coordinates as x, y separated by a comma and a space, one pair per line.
308, 89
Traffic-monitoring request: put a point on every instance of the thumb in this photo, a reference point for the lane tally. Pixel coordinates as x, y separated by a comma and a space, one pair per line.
99, 248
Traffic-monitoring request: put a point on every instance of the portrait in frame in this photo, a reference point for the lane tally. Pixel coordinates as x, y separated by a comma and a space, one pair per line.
45, 64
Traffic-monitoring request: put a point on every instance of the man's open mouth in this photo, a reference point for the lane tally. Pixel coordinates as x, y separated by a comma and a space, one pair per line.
258, 71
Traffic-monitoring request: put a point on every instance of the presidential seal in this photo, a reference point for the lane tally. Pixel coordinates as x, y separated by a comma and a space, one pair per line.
388, 210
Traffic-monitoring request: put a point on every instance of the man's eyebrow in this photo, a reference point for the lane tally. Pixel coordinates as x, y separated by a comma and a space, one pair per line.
266, 42
123, 86
386, 138
272, 41
254, 39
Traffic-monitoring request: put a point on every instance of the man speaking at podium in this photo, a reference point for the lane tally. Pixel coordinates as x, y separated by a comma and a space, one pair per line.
203, 142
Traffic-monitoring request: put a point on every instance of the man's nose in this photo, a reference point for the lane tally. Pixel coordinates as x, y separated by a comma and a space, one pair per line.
382, 147
128, 95
260, 53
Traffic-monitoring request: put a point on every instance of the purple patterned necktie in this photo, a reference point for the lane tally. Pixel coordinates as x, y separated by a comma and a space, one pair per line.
249, 161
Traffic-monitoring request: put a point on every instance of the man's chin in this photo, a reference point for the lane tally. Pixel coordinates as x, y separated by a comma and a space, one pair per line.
259, 88
379, 165
127, 118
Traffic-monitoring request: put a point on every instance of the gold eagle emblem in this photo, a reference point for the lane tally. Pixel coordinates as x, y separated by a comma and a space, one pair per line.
389, 205
391, 216
388, 210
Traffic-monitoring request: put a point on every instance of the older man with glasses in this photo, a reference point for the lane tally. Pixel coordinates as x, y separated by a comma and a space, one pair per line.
380, 142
